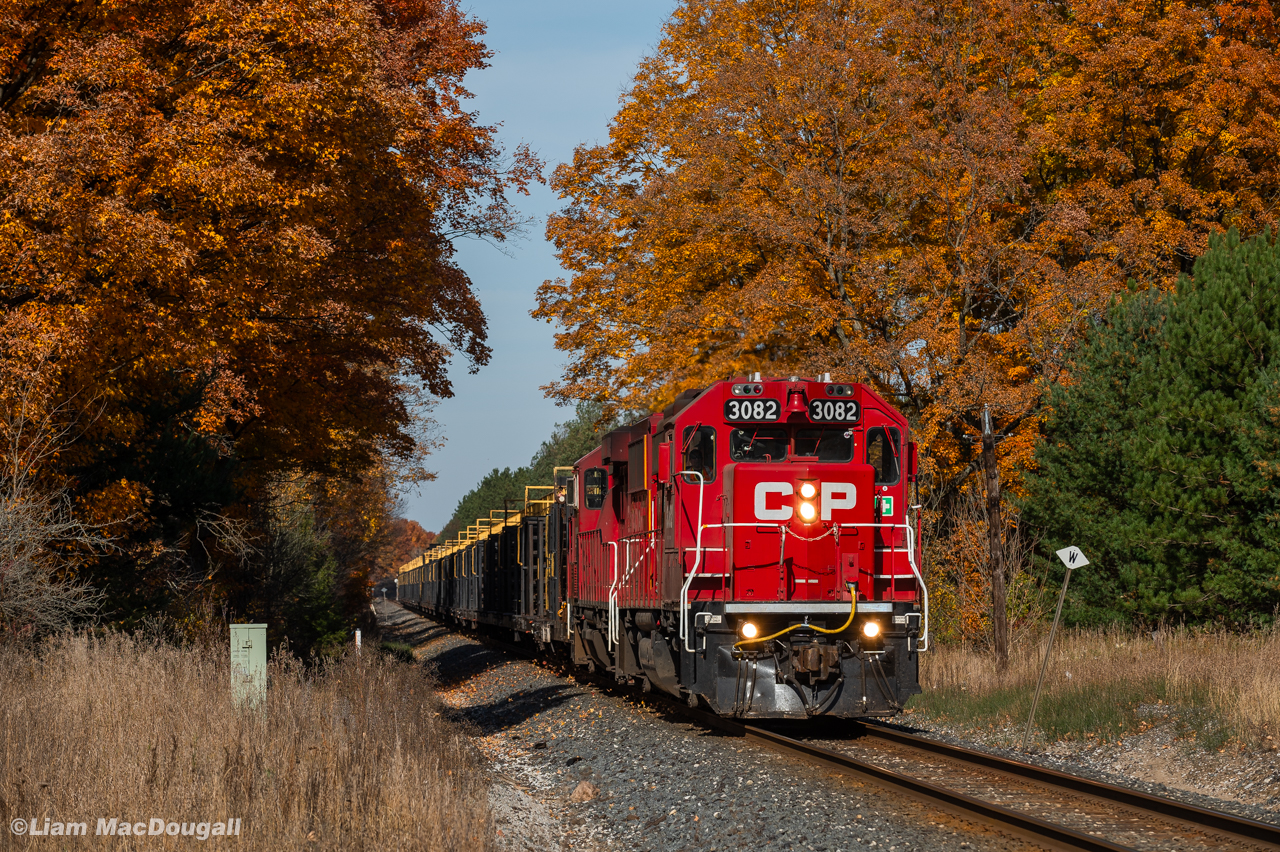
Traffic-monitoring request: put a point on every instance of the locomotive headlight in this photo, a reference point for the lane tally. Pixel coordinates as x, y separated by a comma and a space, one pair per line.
807, 490
808, 512
871, 629
749, 630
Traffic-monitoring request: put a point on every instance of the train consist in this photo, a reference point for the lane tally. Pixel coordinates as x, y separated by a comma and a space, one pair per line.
749, 548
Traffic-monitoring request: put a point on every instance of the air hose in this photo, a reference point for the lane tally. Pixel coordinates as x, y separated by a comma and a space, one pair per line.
853, 611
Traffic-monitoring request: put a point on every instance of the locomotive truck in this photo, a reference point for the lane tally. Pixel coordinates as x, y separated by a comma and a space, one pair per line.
750, 548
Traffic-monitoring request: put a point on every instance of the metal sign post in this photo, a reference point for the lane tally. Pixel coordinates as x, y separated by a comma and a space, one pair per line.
1072, 558
248, 664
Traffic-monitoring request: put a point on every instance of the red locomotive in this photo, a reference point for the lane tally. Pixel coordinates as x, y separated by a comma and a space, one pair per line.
749, 547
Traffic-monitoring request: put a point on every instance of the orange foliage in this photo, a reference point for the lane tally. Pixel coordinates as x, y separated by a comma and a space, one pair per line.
231, 223
935, 199
407, 541
240, 212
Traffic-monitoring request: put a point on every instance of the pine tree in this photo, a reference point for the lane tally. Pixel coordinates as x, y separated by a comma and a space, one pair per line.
1160, 460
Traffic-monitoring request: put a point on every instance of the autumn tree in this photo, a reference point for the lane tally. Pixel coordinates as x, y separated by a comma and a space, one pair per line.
1157, 123
41, 541
933, 198
407, 540
236, 219
819, 186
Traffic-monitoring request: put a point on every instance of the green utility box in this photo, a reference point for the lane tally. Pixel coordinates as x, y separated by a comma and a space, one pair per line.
248, 663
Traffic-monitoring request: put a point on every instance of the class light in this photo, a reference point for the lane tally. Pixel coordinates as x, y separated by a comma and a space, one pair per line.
808, 512
749, 630
871, 629
807, 490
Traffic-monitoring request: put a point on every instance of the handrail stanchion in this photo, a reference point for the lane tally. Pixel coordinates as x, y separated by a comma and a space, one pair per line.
924, 590
697, 559
613, 586
915, 570
686, 634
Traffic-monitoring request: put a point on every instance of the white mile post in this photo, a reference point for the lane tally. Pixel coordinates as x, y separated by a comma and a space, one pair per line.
1071, 557
248, 663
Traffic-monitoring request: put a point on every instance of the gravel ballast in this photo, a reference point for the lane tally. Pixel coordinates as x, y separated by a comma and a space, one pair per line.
660, 783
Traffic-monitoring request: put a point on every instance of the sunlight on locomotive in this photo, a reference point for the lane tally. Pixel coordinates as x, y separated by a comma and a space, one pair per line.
807, 490
808, 511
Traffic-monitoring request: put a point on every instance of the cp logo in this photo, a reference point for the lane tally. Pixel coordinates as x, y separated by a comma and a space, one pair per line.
833, 496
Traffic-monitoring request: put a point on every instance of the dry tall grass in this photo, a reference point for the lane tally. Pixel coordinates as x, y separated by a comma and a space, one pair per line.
352, 756
1103, 675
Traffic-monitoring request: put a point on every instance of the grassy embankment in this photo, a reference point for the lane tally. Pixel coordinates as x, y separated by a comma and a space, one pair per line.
352, 755
1216, 688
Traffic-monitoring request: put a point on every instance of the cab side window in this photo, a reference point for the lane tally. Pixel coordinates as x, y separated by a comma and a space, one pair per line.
595, 482
883, 452
700, 453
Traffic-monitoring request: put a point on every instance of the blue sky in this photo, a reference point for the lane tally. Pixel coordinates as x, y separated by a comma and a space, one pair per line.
554, 82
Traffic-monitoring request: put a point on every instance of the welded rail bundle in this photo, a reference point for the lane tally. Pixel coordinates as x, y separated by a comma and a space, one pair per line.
750, 547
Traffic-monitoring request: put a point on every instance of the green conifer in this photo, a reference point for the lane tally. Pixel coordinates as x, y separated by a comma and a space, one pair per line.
1160, 459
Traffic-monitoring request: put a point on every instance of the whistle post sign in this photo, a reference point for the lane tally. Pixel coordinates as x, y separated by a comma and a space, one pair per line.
1072, 557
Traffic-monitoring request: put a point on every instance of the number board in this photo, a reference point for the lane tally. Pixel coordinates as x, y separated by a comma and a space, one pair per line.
833, 411
752, 410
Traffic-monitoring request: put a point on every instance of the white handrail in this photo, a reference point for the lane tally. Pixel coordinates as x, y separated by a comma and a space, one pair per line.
924, 590
686, 634
615, 591
612, 586
697, 559
911, 561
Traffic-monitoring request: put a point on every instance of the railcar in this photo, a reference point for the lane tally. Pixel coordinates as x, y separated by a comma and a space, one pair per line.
750, 549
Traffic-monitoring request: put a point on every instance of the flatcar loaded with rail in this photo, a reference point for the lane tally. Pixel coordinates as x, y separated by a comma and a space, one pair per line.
749, 548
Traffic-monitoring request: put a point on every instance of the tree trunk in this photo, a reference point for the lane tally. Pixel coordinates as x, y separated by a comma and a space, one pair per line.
995, 537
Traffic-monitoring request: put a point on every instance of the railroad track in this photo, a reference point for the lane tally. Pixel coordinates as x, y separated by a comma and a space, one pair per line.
1051, 809
1048, 808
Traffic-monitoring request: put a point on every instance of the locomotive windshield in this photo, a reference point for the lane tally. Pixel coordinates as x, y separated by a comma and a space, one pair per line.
832, 444
753, 444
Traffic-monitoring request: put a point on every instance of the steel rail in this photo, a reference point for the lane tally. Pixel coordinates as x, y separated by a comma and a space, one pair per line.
1188, 815
1025, 826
